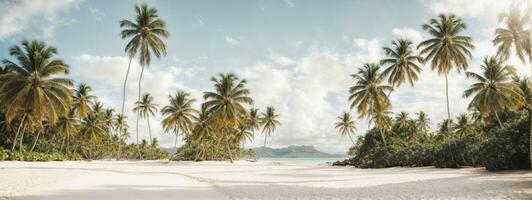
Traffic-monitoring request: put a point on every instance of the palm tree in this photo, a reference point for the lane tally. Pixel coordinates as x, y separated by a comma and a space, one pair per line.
145, 33
226, 103
446, 48
494, 90
33, 87
463, 126
254, 119
145, 108
382, 121
446, 128
403, 63
67, 126
525, 86
402, 120
369, 93
178, 115
269, 122
514, 35
346, 125
120, 126
423, 122
82, 100
92, 127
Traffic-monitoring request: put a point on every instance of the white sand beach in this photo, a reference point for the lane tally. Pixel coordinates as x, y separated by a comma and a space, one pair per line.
245, 180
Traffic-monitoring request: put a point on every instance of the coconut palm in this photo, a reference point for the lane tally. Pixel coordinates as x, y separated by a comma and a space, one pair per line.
369, 93
67, 126
226, 103
402, 120
244, 131
494, 90
446, 48
33, 87
93, 128
179, 114
145, 108
403, 63
423, 122
145, 33
525, 86
270, 122
446, 128
382, 120
464, 126
120, 126
253, 119
346, 125
83, 100
514, 35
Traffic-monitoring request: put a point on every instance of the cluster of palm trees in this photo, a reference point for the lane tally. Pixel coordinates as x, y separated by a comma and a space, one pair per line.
223, 122
496, 87
37, 99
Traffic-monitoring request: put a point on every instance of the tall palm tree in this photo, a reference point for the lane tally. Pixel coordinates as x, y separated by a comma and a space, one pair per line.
269, 122
423, 122
145, 108
514, 35
346, 125
369, 93
254, 119
226, 103
463, 126
178, 115
83, 100
446, 48
494, 90
145, 33
34, 88
403, 63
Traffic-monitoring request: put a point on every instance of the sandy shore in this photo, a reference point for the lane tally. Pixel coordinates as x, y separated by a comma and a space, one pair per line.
243, 180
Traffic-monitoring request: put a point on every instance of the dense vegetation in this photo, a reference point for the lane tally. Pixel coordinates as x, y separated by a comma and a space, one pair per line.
44, 116
496, 132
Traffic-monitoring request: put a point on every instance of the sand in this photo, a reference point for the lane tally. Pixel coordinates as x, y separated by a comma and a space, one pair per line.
245, 180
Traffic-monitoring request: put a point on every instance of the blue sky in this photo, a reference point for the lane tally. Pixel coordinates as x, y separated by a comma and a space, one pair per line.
297, 55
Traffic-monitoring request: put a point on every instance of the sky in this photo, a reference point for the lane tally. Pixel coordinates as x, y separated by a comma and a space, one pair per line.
296, 55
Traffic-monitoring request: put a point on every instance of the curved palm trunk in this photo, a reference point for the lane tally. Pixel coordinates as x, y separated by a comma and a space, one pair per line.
229, 150
382, 135
351, 138
124, 89
149, 130
138, 99
265, 138
447, 96
35, 142
175, 143
18, 131
21, 138
498, 119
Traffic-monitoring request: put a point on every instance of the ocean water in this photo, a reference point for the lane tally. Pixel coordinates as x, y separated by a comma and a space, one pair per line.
307, 161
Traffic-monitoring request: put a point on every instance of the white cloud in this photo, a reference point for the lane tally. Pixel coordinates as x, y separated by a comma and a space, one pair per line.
281, 60
16, 16
487, 10
231, 40
408, 33
290, 3
98, 14
302, 94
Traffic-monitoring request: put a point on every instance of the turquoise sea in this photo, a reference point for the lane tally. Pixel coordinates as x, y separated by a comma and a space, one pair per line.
308, 161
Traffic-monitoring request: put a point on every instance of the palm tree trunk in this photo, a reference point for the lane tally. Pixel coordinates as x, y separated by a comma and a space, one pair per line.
351, 138
498, 119
124, 89
229, 150
138, 148
447, 96
63, 143
265, 138
530, 62
138, 99
149, 130
21, 138
35, 142
18, 131
382, 135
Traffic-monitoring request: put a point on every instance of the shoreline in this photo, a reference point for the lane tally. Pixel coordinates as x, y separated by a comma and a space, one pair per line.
251, 180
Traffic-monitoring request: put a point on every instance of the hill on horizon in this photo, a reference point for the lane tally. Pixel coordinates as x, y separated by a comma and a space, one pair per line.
292, 151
